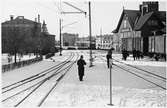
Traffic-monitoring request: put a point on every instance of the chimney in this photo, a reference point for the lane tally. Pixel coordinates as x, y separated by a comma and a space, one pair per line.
147, 7
38, 18
140, 7
11, 17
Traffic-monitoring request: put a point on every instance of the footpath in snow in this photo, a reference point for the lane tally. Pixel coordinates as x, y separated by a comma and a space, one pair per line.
128, 91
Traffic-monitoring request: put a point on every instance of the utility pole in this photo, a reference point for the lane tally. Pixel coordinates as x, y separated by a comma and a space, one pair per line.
39, 34
110, 63
90, 29
76, 12
101, 37
60, 38
90, 35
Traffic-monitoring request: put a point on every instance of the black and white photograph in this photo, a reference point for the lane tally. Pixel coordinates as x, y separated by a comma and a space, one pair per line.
83, 53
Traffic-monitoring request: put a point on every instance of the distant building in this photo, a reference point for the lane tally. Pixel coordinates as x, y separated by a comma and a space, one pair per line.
84, 43
136, 27
47, 40
44, 28
22, 30
104, 41
69, 39
116, 42
22, 35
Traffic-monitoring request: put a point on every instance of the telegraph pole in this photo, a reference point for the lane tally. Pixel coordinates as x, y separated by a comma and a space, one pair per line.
90, 29
39, 34
60, 38
76, 12
101, 37
110, 63
90, 35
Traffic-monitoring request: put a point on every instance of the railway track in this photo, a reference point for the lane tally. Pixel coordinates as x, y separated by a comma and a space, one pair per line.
154, 79
35, 77
56, 73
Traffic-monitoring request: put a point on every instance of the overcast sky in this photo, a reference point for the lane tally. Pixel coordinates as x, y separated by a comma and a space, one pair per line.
105, 14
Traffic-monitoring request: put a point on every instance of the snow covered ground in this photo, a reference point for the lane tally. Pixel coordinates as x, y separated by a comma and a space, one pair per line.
94, 91
128, 90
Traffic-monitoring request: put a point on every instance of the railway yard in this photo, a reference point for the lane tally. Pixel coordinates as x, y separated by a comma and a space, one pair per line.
54, 82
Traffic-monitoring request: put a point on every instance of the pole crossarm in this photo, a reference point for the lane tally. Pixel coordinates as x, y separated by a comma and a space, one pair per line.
73, 12
69, 24
74, 7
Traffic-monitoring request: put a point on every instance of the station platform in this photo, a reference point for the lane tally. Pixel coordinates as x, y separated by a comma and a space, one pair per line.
94, 90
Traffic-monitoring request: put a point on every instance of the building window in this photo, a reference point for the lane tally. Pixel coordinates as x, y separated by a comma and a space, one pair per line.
152, 23
125, 23
125, 34
129, 34
121, 35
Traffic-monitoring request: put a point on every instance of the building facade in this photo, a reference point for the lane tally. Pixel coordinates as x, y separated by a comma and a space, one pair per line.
136, 26
18, 32
84, 43
104, 41
69, 39
47, 40
116, 42
21, 35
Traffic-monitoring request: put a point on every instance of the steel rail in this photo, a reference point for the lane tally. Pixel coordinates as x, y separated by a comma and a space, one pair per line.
42, 84
140, 77
49, 69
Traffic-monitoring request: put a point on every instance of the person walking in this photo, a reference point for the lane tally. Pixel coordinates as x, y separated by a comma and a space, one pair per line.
81, 62
125, 54
134, 54
108, 56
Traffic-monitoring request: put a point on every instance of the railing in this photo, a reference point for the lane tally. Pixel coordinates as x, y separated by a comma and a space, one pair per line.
20, 64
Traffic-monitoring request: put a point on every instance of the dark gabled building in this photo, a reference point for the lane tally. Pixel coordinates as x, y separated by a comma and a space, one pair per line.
136, 28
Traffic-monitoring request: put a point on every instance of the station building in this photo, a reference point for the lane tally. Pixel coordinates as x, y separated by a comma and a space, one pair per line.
143, 29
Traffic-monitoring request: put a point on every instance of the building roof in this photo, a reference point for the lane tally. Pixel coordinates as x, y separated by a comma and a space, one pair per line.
142, 20
132, 16
137, 21
161, 15
19, 19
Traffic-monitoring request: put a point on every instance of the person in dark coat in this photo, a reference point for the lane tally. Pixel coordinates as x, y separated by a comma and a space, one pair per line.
124, 54
81, 62
134, 54
108, 56
138, 54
